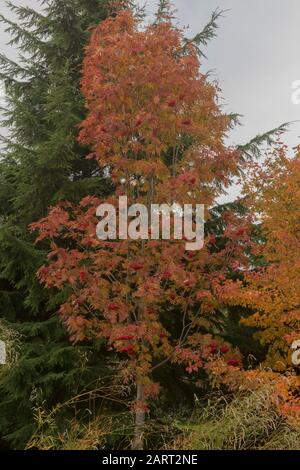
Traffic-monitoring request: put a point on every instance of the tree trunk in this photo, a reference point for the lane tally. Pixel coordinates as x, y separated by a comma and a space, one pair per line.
138, 439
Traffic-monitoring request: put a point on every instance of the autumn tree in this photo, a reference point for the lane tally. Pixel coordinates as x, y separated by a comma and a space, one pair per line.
155, 127
272, 288
269, 287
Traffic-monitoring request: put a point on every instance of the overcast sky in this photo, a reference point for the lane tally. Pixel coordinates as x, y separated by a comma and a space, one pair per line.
255, 58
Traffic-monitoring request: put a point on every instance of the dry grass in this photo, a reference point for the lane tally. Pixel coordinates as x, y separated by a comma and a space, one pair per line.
87, 430
244, 422
248, 422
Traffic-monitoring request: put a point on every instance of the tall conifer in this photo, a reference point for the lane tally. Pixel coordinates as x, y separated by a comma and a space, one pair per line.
41, 162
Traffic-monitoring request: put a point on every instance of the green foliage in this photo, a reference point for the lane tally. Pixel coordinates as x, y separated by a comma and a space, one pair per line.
44, 106
164, 11
41, 162
207, 34
253, 149
48, 363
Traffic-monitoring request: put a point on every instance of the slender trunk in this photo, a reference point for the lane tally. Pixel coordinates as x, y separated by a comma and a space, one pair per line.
140, 416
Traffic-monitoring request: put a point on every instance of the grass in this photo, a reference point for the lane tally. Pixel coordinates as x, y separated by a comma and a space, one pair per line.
247, 422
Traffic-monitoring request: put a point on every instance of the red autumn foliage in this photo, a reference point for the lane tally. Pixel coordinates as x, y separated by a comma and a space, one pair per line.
141, 93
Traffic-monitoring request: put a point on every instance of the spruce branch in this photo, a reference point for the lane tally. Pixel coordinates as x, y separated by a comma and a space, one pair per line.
29, 40
29, 16
165, 11
11, 69
207, 34
252, 149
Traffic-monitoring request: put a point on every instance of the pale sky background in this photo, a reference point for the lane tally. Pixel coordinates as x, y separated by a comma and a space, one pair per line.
255, 58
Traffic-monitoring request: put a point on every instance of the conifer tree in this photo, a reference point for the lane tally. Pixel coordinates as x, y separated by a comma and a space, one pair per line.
41, 163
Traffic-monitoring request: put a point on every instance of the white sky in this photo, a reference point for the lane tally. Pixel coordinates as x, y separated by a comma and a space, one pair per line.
255, 59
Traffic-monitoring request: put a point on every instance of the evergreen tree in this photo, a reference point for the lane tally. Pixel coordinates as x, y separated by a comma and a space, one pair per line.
41, 163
